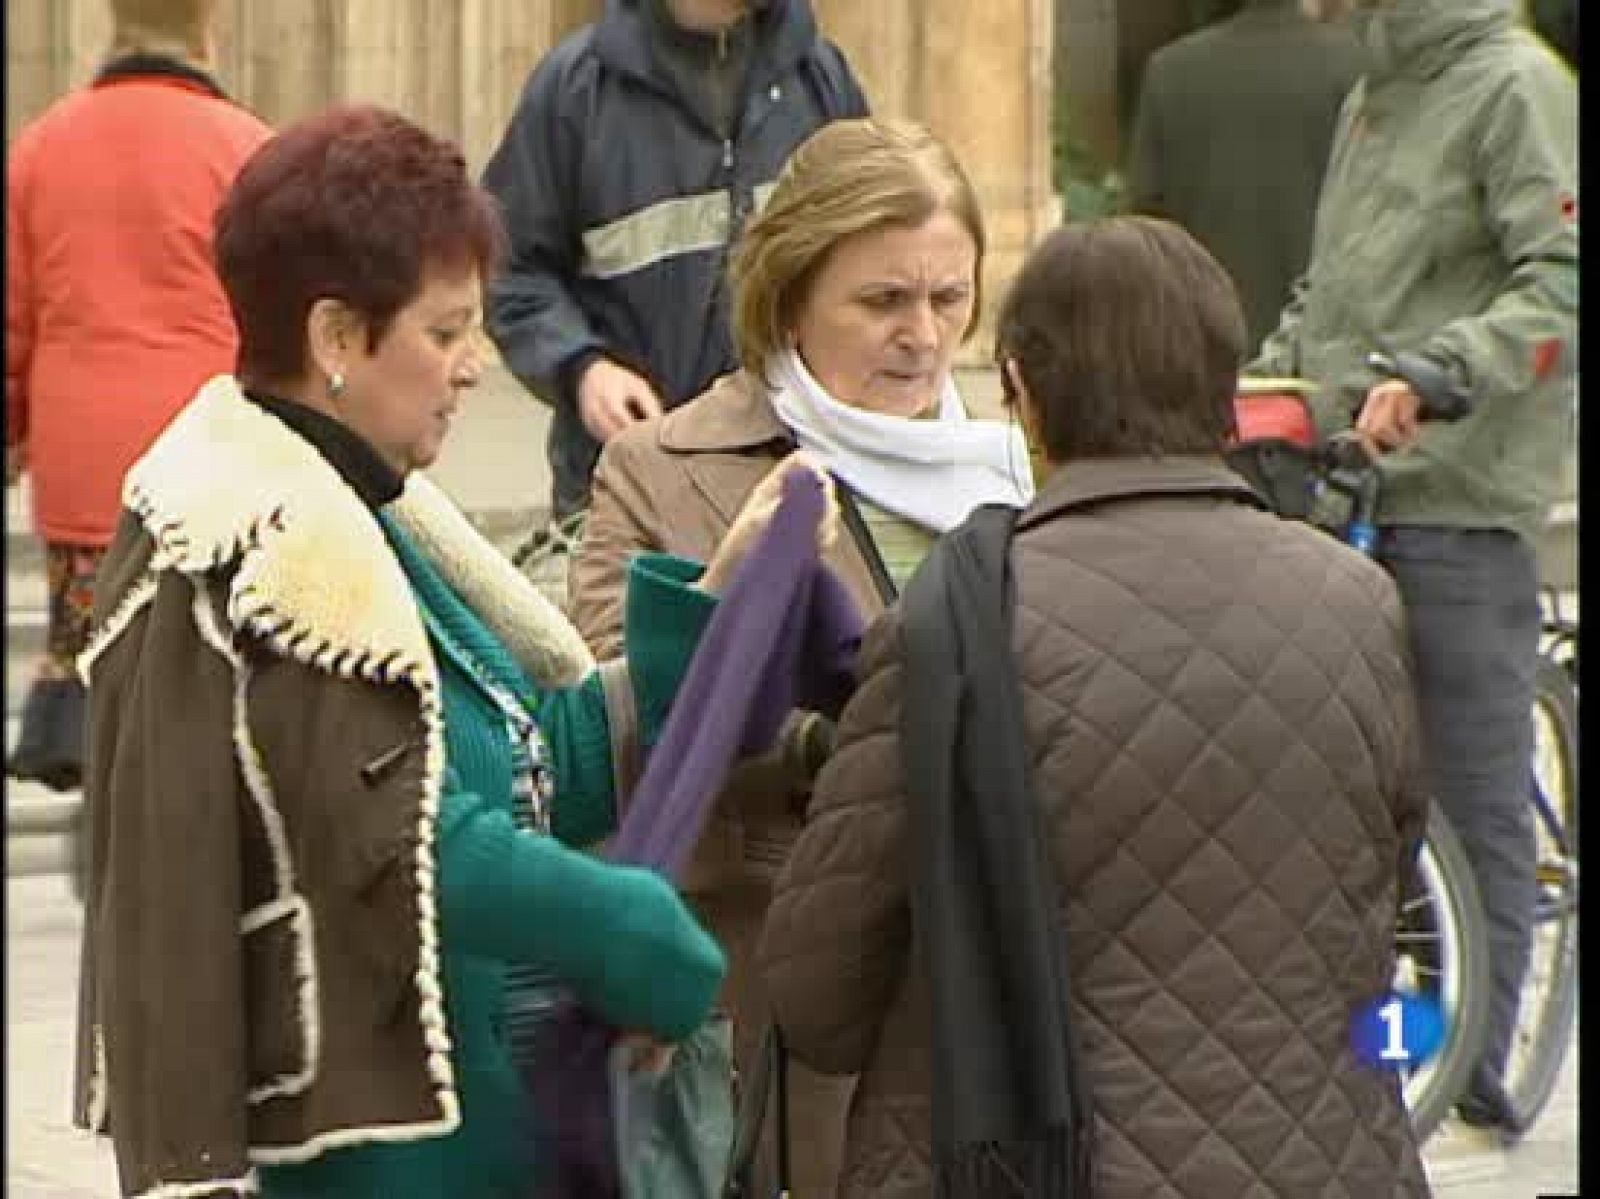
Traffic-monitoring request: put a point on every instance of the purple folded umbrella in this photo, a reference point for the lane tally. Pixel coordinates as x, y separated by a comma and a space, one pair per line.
785, 635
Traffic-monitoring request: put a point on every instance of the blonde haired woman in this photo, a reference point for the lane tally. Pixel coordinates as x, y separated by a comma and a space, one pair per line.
852, 291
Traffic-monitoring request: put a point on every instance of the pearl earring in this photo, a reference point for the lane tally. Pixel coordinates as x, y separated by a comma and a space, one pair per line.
335, 385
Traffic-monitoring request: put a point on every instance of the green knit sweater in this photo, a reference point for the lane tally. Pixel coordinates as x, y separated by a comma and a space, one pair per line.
507, 896
902, 544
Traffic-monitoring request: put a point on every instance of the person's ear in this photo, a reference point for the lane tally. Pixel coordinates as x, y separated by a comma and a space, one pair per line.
1021, 399
332, 334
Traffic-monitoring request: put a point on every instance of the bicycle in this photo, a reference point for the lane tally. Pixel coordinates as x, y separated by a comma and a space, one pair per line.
1549, 1005
1441, 938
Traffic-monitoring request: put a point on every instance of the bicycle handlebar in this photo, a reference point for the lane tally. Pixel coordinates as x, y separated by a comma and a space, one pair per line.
1441, 399
1351, 471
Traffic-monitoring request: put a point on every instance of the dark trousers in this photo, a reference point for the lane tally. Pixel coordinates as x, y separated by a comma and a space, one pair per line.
573, 454
1472, 599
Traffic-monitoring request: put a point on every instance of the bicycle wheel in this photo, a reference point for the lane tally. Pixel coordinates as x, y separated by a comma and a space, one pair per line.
1549, 1002
1442, 951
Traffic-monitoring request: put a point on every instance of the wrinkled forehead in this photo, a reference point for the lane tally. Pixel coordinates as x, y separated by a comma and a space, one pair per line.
1332, 10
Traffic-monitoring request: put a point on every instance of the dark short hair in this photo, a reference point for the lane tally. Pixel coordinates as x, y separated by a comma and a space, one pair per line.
355, 204
1129, 336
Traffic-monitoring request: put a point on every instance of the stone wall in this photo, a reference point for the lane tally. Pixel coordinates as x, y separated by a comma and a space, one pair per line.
978, 74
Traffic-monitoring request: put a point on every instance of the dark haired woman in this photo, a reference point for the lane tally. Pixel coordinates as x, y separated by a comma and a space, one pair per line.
343, 758
1211, 796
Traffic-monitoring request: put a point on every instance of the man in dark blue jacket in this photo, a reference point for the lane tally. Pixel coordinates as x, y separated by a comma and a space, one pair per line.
640, 146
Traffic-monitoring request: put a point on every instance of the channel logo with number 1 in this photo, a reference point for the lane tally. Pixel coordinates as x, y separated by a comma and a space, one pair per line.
1398, 1031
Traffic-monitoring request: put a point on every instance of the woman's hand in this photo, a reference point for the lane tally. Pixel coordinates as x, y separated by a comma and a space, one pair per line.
646, 1054
756, 515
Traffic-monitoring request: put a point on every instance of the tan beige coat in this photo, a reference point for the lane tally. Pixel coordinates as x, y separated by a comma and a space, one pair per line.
675, 485
1219, 711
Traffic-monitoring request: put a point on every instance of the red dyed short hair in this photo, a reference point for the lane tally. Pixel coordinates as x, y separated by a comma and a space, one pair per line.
356, 204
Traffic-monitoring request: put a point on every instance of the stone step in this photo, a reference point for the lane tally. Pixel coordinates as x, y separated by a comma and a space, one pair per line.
23, 550
33, 857
34, 810
26, 624
39, 821
39, 825
20, 667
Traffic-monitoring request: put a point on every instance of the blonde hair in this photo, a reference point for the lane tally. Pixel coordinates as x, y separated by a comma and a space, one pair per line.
164, 26
849, 177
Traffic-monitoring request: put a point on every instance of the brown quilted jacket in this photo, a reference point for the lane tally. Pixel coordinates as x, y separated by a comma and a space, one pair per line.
1219, 710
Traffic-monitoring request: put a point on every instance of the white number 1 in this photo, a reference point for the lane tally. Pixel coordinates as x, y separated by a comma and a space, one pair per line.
1394, 1050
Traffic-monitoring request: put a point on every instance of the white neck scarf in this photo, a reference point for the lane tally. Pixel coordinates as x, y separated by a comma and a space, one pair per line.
931, 472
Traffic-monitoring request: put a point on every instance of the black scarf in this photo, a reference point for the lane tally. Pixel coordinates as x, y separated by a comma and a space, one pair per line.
358, 464
143, 65
1011, 1114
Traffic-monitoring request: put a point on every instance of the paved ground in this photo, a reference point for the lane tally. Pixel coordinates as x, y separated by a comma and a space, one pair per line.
47, 1159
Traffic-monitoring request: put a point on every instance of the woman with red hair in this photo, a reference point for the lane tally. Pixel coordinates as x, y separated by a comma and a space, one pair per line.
113, 311
344, 759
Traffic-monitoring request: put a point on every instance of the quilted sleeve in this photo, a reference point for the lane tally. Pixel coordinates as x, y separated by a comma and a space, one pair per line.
834, 948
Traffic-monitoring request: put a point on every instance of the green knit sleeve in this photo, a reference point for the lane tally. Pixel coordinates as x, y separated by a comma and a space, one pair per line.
664, 616
619, 935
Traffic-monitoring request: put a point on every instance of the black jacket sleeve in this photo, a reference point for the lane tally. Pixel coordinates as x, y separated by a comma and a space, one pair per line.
839, 91
1146, 193
537, 325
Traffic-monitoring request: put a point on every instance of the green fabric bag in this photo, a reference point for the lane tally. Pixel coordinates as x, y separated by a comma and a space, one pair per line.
675, 1130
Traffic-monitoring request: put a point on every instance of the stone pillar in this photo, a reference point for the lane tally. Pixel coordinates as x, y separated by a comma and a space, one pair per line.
30, 61
979, 75
499, 45
567, 15
882, 41
986, 89
1086, 95
278, 59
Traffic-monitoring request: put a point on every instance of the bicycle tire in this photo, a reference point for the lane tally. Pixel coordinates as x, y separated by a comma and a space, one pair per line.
1547, 1025
1448, 884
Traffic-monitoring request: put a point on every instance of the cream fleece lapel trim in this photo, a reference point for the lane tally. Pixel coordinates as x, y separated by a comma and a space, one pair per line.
536, 632
316, 577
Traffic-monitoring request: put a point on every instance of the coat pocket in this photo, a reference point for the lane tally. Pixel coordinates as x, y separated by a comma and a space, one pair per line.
280, 985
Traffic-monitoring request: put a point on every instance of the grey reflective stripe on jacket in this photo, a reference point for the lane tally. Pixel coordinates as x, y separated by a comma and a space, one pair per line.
620, 199
663, 230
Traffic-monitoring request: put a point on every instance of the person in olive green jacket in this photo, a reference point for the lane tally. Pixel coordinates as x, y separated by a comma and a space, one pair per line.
1231, 140
1447, 242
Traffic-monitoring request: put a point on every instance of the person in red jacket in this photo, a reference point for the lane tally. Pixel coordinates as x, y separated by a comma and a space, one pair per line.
114, 315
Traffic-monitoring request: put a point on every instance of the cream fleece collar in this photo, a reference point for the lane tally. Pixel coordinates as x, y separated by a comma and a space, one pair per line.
227, 481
